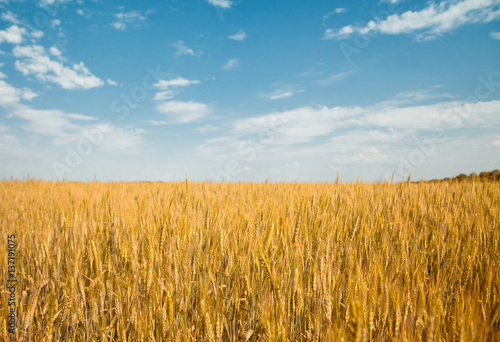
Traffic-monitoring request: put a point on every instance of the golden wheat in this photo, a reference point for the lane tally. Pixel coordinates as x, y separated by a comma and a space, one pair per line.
253, 262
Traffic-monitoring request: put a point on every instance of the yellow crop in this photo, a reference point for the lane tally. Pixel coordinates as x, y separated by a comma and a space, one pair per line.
252, 261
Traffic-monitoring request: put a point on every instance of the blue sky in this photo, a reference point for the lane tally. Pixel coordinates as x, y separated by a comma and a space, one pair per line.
249, 90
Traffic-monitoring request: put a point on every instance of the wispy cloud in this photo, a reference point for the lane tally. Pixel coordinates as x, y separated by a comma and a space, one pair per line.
158, 122
54, 51
49, 122
240, 36
183, 49
123, 19
495, 35
177, 82
180, 112
281, 93
231, 64
338, 10
333, 78
61, 127
33, 60
311, 73
10, 95
420, 96
166, 86
428, 23
54, 23
51, 2
164, 95
221, 3
84, 12
10, 17
207, 128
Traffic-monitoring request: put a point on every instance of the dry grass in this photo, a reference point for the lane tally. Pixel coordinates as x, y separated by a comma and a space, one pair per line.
235, 262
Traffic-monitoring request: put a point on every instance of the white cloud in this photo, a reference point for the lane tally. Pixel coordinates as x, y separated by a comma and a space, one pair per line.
347, 139
13, 35
111, 82
164, 95
62, 128
158, 122
419, 96
11, 96
231, 64
33, 60
370, 155
333, 78
55, 51
337, 10
183, 49
126, 18
67, 129
125, 141
281, 93
221, 3
306, 123
428, 23
37, 34
165, 86
51, 2
207, 128
240, 36
54, 23
10, 17
183, 112
50, 122
177, 82
119, 26
495, 35
28, 94
298, 125
445, 115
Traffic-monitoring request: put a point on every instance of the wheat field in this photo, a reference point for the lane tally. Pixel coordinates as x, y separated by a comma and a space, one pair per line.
252, 261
